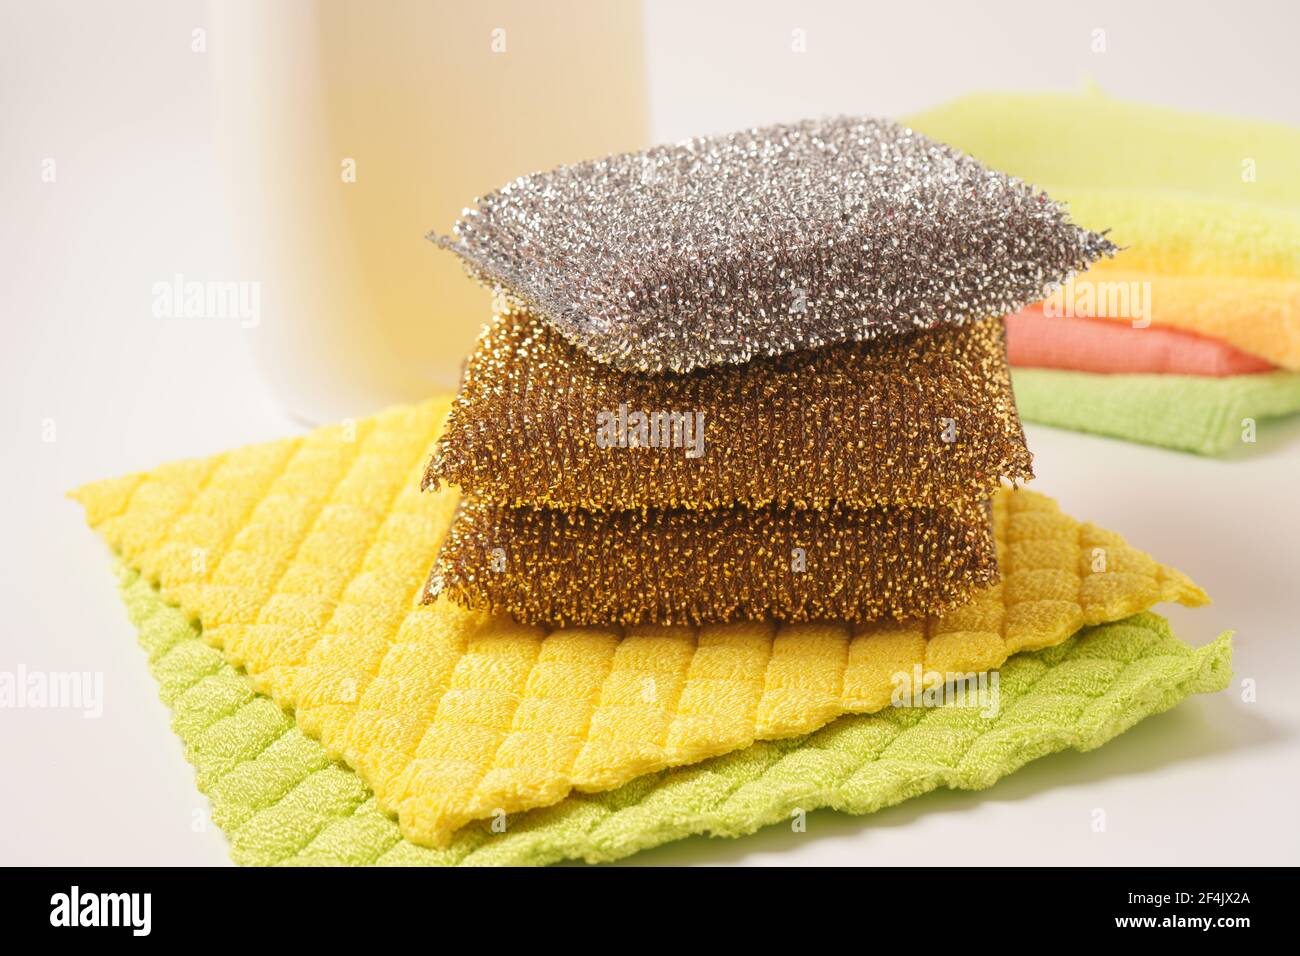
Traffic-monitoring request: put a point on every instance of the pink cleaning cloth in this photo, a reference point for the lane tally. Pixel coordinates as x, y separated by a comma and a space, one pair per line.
1101, 345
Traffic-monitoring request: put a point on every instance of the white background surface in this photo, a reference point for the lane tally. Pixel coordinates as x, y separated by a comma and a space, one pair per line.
115, 93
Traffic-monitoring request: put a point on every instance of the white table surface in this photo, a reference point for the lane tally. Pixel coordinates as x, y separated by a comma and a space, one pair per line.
1213, 782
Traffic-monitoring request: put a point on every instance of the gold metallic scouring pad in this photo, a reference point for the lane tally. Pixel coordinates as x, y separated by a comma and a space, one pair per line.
563, 568
766, 241
926, 419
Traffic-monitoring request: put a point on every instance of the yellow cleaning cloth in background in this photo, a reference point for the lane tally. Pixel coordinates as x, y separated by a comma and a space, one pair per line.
304, 559
1207, 208
1258, 316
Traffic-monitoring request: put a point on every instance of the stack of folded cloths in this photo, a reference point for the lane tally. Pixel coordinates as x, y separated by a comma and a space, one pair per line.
733, 447
752, 376
1190, 336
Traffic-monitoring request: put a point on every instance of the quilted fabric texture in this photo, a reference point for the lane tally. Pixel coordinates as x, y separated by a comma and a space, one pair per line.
281, 800
1191, 413
304, 559
1206, 208
716, 566
922, 419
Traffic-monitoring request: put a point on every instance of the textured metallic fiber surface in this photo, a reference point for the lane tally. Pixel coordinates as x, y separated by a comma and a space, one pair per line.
923, 419
767, 241
563, 568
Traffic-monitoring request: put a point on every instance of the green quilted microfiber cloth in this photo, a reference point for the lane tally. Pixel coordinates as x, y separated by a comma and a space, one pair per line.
1192, 413
281, 800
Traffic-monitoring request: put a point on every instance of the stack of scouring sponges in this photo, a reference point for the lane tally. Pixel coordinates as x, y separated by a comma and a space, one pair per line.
744, 379
1190, 336
751, 376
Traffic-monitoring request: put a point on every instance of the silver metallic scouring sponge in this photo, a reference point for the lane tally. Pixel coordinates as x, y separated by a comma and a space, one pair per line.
767, 241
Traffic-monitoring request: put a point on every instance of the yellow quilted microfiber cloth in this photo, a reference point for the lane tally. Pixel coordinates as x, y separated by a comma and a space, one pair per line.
1207, 208
304, 560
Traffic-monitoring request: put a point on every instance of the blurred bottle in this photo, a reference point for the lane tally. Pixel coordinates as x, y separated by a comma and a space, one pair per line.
352, 129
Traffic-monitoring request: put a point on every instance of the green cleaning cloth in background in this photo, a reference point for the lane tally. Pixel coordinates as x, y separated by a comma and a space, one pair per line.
1192, 413
1180, 189
1206, 208
281, 800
